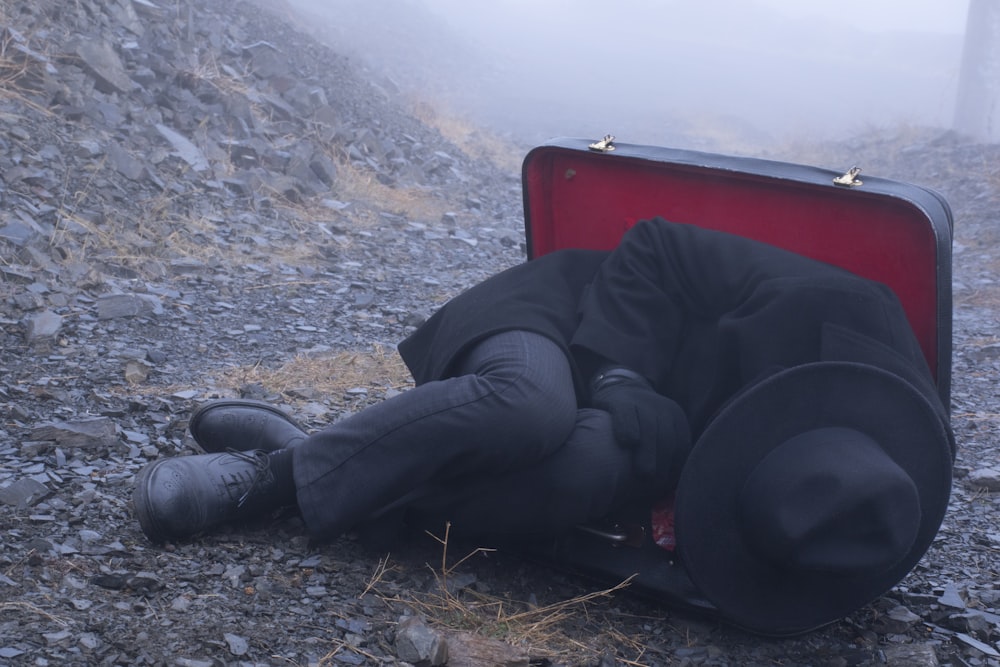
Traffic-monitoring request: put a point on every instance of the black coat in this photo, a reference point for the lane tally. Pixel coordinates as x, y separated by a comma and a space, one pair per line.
702, 314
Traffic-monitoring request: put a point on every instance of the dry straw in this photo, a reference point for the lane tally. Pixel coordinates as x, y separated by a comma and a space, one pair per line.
540, 630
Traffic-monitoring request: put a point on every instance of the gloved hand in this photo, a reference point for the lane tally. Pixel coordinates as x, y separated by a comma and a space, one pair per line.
652, 425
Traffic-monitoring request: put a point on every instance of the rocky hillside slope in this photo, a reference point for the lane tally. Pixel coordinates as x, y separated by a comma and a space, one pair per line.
135, 121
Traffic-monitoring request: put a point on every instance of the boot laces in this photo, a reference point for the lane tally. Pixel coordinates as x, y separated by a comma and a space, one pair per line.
261, 475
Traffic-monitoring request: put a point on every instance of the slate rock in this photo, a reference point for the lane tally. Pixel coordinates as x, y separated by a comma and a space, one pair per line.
184, 147
99, 58
23, 493
266, 60
136, 371
125, 163
88, 432
976, 645
123, 13
416, 642
911, 655
951, 597
466, 648
17, 233
113, 306
984, 478
237, 645
897, 620
43, 325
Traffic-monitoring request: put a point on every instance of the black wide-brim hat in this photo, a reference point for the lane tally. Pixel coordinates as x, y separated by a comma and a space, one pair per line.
869, 424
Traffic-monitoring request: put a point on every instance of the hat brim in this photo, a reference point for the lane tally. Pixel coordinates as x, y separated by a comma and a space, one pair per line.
750, 592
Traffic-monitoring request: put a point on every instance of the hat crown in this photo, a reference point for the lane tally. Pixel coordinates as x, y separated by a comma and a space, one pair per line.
829, 500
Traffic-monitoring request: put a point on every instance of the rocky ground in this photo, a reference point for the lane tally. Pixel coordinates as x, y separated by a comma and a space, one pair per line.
198, 200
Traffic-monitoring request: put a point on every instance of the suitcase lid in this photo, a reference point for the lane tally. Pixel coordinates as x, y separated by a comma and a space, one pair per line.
892, 232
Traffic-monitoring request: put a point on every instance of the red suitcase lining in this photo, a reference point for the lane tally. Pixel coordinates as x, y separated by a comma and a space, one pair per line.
588, 203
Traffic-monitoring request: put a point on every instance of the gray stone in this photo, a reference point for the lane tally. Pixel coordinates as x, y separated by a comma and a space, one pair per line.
897, 620
986, 352
267, 60
23, 493
281, 109
20, 275
57, 638
951, 597
985, 478
17, 233
418, 643
973, 622
148, 8
185, 148
911, 655
81, 433
122, 12
237, 645
43, 325
976, 645
136, 372
103, 63
113, 306
125, 163
27, 301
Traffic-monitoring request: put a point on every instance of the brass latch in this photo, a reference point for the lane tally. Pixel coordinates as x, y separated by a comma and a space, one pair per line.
850, 179
604, 145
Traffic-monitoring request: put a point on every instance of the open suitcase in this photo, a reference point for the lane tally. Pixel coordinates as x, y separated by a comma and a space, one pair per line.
585, 194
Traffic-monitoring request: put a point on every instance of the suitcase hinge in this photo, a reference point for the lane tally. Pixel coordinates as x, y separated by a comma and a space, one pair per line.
850, 179
604, 145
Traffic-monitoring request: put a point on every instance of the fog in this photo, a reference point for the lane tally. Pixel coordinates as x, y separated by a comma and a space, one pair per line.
663, 71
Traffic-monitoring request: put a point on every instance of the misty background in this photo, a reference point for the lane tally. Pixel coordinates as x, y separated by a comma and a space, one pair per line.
707, 73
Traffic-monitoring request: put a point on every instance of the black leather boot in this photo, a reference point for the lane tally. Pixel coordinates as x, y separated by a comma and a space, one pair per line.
179, 497
242, 425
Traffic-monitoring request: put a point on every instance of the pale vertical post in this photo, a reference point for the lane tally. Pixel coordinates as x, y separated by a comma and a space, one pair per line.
977, 108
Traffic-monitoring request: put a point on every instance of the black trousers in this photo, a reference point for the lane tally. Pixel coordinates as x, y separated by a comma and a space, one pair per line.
500, 449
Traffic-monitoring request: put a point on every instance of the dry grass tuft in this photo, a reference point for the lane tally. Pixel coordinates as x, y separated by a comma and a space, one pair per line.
164, 232
986, 296
21, 608
515, 623
224, 79
339, 647
473, 140
18, 70
330, 375
355, 183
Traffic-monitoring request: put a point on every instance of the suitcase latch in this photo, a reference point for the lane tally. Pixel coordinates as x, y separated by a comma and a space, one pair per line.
604, 145
850, 179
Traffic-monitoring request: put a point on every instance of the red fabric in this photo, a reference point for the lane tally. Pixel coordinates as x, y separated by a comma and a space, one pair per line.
577, 201
663, 524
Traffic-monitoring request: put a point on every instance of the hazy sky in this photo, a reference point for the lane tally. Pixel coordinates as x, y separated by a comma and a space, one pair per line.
876, 15
658, 70
915, 15
828, 67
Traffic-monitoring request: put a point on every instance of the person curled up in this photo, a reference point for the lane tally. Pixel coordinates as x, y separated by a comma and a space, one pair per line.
784, 402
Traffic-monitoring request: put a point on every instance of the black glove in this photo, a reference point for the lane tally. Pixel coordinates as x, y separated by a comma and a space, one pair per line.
653, 426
